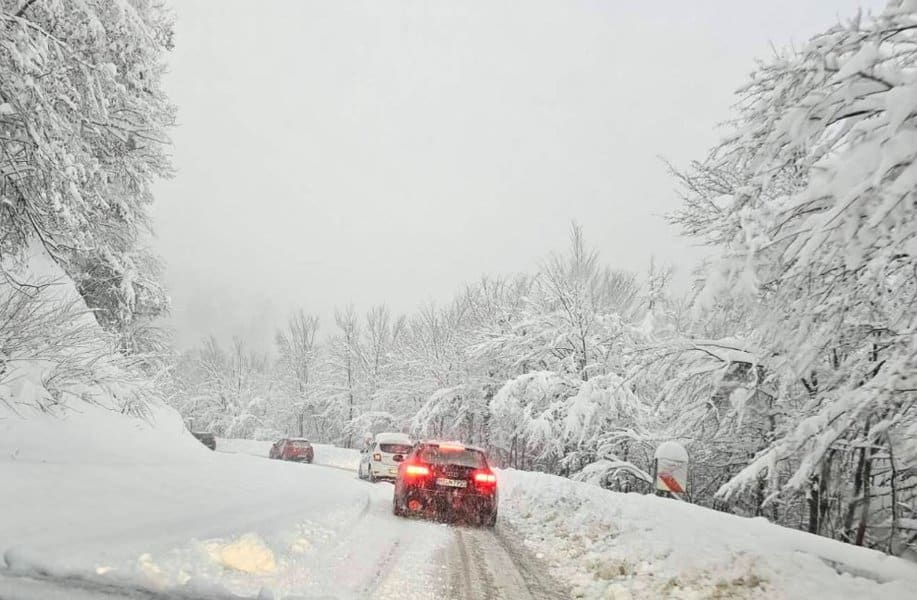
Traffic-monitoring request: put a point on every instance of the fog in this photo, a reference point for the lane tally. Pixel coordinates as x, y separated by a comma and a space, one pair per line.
367, 152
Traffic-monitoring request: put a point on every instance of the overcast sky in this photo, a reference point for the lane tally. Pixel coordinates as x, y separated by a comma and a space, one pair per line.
342, 151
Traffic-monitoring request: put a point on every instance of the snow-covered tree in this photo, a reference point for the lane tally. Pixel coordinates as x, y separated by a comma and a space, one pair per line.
345, 359
528, 418
224, 391
82, 137
297, 350
812, 203
381, 338
574, 317
451, 404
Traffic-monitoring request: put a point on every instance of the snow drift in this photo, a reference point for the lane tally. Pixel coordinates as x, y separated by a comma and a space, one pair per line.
614, 545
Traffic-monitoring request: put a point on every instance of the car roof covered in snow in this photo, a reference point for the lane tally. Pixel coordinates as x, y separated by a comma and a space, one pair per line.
452, 443
393, 438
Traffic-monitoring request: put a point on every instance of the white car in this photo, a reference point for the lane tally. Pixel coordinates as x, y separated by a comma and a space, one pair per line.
380, 457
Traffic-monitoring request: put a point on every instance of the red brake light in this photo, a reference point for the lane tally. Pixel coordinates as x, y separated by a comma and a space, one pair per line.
485, 477
416, 470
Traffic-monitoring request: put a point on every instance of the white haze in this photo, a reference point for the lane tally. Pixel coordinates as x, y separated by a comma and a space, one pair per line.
342, 151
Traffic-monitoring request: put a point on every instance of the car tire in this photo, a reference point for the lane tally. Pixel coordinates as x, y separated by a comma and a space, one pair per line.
372, 478
491, 521
397, 510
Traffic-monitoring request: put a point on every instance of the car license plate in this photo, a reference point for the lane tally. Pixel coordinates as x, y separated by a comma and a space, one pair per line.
456, 483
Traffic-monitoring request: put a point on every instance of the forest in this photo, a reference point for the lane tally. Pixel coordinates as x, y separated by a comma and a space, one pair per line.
788, 368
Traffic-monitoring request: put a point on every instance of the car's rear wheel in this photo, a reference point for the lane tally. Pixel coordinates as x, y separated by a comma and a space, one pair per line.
491, 521
396, 509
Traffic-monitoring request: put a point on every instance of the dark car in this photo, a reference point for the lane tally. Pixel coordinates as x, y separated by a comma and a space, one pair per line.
446, 480
208, 439
296, 449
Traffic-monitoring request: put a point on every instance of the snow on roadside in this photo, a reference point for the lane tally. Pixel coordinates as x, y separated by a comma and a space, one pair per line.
95, 493
623, 546
89, 433
341, 458
240, 446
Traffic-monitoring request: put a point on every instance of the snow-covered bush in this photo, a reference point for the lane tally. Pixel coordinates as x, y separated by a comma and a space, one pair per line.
52, 350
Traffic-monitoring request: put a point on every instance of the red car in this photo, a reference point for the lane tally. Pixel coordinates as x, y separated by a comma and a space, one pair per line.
447, 480
296, 449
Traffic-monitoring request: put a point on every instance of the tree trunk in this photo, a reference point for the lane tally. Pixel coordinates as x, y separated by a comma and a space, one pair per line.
583, 360
856, 498
818, 496
760, 486
867, 492
894, 498
812, 500
823, 499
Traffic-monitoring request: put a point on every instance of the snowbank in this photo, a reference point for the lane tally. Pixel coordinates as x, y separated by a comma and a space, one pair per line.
239, 446
341, 458
100, 495
612, 545
85, 433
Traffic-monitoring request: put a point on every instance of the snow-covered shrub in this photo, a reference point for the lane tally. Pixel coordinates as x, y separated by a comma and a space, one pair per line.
53, 351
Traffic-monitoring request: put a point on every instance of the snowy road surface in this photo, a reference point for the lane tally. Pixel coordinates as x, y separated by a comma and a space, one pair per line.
234, 525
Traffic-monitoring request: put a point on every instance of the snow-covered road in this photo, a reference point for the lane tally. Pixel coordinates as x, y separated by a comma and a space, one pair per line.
237, 525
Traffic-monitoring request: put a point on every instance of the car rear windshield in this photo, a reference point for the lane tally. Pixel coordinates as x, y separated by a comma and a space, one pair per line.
300, 444
395, 448
464, 457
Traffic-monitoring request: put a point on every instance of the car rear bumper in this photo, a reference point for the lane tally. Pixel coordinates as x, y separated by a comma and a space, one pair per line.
449, 502
383, 471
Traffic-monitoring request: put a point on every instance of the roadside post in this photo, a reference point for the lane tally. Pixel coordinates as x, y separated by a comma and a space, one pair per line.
670, 467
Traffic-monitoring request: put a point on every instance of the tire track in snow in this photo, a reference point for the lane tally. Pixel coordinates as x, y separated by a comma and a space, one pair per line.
383, 569
41, 586
487, 565
380, 556
461, 573
483, 562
